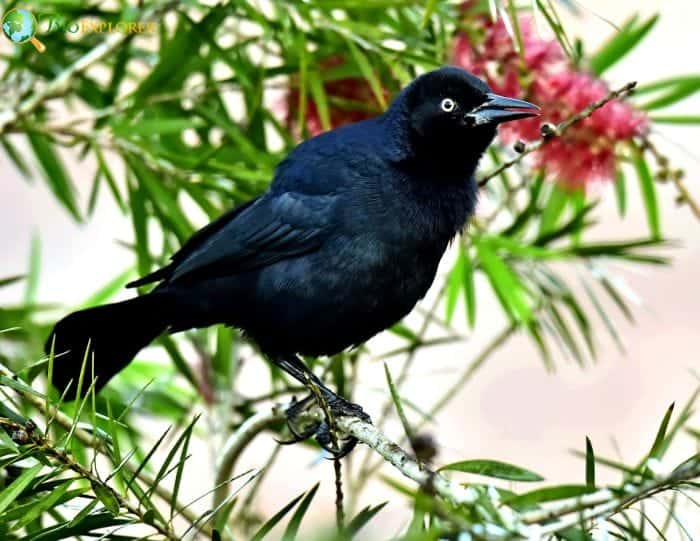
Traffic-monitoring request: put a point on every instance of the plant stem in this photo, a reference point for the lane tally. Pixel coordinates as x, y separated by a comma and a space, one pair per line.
559, 130
51, 412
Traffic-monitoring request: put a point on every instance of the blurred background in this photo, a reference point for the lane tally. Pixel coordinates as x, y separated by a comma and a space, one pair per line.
513, 409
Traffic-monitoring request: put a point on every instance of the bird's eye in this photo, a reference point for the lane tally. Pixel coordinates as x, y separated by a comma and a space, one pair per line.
448, 105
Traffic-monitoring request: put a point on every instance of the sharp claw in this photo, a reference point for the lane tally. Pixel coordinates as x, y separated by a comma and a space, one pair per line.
304, 434
292, 413
338, 407
345, 448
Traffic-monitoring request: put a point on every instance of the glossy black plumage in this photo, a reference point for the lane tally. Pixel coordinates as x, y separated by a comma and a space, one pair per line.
343, 244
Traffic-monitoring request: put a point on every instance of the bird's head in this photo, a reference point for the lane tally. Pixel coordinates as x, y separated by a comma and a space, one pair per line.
452, 116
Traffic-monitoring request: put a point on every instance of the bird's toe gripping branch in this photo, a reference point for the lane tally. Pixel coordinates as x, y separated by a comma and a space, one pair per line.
303, 426
327, 436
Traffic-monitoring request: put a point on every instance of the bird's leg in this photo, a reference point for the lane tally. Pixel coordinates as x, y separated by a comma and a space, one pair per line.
332, 404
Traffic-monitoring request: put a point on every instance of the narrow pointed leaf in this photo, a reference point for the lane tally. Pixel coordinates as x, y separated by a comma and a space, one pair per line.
494, 468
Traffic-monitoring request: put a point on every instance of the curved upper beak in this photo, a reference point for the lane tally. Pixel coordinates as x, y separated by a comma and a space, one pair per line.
497, 109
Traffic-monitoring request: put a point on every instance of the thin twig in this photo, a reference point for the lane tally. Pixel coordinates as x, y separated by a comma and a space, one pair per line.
235, 445
411, 350
51, 412
478, 361
47, 448
676, 177
558, 130
429, 480
616, 505
339, 496
467, 374
337, 468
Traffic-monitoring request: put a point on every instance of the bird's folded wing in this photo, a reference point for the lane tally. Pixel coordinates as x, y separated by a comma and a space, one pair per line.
270, 229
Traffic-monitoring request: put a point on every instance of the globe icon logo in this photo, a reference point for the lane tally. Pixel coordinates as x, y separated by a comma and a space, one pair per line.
19, 26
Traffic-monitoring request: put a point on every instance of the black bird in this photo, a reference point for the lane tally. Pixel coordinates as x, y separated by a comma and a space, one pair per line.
343, 244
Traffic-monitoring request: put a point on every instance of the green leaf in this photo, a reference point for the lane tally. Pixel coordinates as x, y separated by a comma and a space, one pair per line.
368, 73
148, 457
646, 184
534, 329
178, 360
553, 210
183, 45
547, 494
157, 126
82, 524
522, 249
552, 17
290, 534
621, 193
139, 218
16, 157
469, 291
664, 84
677, 119
107, 174
29, 512
454, 285
32, 283
15, 489
271, 523
397, 402
461, 277
430, 6
362, 518
54, 172
4, 282
107, 497
399, 329
564, 333
590, 464
19, 385
623, 42
604, 316
658, 444
494, 468
161, 198
320, 99
673, 94
508, 288
185, 439
574, 534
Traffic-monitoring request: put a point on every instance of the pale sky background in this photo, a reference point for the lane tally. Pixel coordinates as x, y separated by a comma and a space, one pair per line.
513, 410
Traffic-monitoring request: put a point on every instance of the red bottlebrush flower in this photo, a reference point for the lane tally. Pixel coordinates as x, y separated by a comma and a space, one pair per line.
350, 99
586, 152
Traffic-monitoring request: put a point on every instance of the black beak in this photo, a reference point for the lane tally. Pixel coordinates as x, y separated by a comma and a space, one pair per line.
497, 109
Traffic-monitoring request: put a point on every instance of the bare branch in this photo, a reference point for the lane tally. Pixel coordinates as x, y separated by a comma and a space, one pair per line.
404, 462
558, 130
54, 414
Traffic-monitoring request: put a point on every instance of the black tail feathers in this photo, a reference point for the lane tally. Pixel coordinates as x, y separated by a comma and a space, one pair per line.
116, 333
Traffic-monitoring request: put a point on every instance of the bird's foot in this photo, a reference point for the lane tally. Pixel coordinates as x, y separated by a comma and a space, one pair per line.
302, 426
336, 407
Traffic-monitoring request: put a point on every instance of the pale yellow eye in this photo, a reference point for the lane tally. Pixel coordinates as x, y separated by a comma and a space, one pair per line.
448, 105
